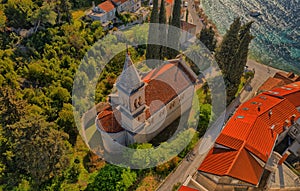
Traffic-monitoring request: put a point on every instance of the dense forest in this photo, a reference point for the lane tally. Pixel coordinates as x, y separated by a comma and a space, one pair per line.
42, 46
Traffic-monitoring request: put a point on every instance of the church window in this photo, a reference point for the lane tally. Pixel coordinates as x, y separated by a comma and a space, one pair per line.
140, 100
136, 104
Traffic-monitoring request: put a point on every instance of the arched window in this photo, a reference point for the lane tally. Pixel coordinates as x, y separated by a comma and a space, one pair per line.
136, 104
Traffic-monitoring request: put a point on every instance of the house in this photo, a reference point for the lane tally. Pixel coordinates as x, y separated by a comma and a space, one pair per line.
279, 79
255, 142
190, 31
143, 106
127, 5
104, 12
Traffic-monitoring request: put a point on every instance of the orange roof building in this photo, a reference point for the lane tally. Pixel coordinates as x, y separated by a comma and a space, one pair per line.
186, 188
106, 6
244, 149
279, 79
148, 104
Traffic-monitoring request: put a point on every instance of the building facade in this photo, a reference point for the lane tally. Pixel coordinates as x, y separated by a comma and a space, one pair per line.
143, 107
255, 142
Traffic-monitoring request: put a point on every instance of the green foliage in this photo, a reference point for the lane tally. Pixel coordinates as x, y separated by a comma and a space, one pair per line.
113, 178
152, 52
162, 31
44, 15
232, 55
204, 118
73, 173
2, 20
174, 35
19, 13
207, 37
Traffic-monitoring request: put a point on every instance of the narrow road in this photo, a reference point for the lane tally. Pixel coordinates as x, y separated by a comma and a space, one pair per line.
195, 17
191, 163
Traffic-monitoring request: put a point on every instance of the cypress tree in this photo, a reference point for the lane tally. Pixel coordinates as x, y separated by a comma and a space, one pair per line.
174, 35
207, 37
232, 54
187, 16
162, 30
152, 51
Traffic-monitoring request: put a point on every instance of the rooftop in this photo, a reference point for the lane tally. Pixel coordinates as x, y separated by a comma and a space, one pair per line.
271, 83
163, 83
186, 188
250, 135
106, 6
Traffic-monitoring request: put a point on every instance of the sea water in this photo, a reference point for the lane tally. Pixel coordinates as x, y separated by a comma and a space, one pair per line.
276, 30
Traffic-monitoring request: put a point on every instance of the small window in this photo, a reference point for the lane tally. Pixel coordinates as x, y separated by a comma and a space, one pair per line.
136, 104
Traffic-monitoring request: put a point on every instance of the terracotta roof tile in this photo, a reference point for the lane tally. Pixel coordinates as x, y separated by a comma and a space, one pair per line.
187, 26
270, 84
107, 6
253, 129
165, 83
229, 141
185, 188
170, 1
287, 77
108, 121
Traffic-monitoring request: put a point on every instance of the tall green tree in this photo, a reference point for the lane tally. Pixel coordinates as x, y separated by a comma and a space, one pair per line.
63, 10
174, 35
207, 37
43, 15
39, 150
162, 30
152, 51
232, 54
19, 13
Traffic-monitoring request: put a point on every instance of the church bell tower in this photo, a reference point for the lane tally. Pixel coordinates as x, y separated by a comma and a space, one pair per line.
131, 93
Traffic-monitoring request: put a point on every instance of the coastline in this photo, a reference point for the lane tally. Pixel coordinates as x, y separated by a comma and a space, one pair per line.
251, 58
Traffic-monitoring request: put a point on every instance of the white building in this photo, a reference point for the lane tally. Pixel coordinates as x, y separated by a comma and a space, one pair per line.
143, 107
104, 12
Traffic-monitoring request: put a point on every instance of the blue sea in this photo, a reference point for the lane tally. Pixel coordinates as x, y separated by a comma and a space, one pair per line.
276, 30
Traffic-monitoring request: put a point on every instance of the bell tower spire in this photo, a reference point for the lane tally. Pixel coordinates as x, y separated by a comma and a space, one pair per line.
131, 92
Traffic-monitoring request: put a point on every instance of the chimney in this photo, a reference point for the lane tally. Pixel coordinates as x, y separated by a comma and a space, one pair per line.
284, 157
258, 108
270, 113
272, 127
293, 119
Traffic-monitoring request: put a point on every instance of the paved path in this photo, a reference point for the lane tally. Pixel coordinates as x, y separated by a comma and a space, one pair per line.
191, 163
262, 73
195, 16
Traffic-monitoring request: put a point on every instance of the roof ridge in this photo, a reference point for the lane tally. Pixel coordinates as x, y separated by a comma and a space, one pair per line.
236, 157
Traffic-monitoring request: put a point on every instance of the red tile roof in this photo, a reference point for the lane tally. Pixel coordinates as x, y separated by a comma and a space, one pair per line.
187, 26
271, 83
108, 120
165, 83
290, 91
106, 6
287, 77
170, 1
119, 1
252, 131
185, 188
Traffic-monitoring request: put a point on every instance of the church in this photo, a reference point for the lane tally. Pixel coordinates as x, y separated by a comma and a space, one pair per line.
143, 106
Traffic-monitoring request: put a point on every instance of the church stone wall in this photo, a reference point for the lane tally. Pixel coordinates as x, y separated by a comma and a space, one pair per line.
162, 118
112, 141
